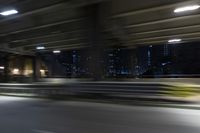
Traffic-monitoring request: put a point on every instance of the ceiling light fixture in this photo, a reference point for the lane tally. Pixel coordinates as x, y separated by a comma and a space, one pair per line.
40, 47
9, 12
186, 8
2, 67
56, 51
15, 71
174, 40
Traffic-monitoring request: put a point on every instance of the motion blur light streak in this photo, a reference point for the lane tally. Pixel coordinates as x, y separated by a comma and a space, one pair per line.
5, 99
9, 12
187, 8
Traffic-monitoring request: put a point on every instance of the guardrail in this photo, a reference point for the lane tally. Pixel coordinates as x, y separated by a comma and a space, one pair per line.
131, 91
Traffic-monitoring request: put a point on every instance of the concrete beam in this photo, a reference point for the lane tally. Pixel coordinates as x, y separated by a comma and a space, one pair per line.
167, 30
47, 36
74, 46
146, 10
57, 46
43, 26
135, 44
45, 43
163, 21
168, 36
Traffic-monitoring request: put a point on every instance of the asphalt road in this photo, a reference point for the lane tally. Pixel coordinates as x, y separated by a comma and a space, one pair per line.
25, 115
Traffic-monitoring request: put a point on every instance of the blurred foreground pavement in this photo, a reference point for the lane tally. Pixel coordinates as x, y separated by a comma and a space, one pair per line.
26, 115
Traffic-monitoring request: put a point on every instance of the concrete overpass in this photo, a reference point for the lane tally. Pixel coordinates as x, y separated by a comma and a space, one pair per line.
60, 24
95, 24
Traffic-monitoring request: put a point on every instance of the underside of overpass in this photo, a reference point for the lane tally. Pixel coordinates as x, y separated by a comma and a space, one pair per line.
69, 24
94, 24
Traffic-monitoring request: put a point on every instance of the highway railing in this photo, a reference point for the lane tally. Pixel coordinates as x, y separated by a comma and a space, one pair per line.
113, 90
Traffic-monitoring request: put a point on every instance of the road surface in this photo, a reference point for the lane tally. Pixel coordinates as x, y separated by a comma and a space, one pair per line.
26, 115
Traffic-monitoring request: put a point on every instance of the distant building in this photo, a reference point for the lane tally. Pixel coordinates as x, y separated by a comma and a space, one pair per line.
119, 62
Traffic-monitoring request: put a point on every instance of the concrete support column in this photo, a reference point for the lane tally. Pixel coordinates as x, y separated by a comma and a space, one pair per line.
36, 68
95, 22
6, 68
21, 65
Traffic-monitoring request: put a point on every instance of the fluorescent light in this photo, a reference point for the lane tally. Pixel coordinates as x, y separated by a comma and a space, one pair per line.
40, 47
15, 71
187, 8
2, 67
56, 51
9, 12
42, 71
174, 40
